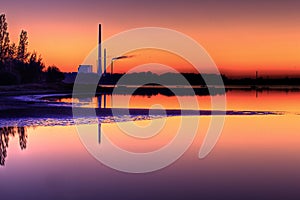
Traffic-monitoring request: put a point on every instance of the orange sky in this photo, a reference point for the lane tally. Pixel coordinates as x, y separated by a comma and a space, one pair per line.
240, 37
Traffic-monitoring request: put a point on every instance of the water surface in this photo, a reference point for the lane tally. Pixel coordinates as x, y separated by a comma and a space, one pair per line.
256, 156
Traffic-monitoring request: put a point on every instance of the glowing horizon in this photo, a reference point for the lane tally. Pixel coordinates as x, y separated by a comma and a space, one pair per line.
240, 37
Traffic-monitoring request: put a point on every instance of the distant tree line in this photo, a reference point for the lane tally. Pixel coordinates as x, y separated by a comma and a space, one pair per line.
183, 79
17, 65
262, 81
162, 79
194, 79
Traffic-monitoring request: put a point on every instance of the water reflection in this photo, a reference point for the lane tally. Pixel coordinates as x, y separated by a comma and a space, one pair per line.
99, 133
100, 101
256, 156
236, 100
5, 134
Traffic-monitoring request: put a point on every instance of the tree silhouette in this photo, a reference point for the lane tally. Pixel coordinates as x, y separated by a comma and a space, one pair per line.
53, 74
32, 70
22, 54
12, 52
17, 65
12, 56
4, 39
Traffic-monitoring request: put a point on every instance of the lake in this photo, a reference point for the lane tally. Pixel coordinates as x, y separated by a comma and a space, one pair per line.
256, 156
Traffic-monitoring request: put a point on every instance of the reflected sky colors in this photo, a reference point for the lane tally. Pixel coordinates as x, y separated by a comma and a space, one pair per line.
240, 36
238, 100
257, 156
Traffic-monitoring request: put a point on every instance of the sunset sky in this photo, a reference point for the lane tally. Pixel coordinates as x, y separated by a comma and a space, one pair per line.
240, 36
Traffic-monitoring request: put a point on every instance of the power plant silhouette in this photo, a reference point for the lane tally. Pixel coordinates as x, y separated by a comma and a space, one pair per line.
101, 60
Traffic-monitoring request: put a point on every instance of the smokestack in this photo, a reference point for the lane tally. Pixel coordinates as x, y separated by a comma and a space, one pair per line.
112, 66
99, 71
104, 61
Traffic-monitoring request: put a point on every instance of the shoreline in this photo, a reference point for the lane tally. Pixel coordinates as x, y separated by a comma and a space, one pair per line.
12, 107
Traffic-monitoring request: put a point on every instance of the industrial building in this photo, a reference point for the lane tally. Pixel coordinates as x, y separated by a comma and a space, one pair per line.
85, 69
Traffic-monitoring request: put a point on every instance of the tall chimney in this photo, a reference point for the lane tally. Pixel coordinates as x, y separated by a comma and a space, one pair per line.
99, 71
104, 66
112, 67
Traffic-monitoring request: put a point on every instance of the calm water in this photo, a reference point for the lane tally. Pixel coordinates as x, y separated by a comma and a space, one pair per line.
256, 157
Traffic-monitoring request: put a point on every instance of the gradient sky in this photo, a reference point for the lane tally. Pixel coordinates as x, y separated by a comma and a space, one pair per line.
240, 36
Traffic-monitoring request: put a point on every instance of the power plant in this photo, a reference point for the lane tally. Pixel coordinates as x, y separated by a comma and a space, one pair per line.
101, 61
89, 68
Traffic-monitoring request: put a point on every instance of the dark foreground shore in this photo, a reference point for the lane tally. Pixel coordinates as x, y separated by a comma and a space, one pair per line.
14, 108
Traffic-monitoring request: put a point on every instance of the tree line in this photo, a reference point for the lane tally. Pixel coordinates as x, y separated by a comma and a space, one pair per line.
17, 65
